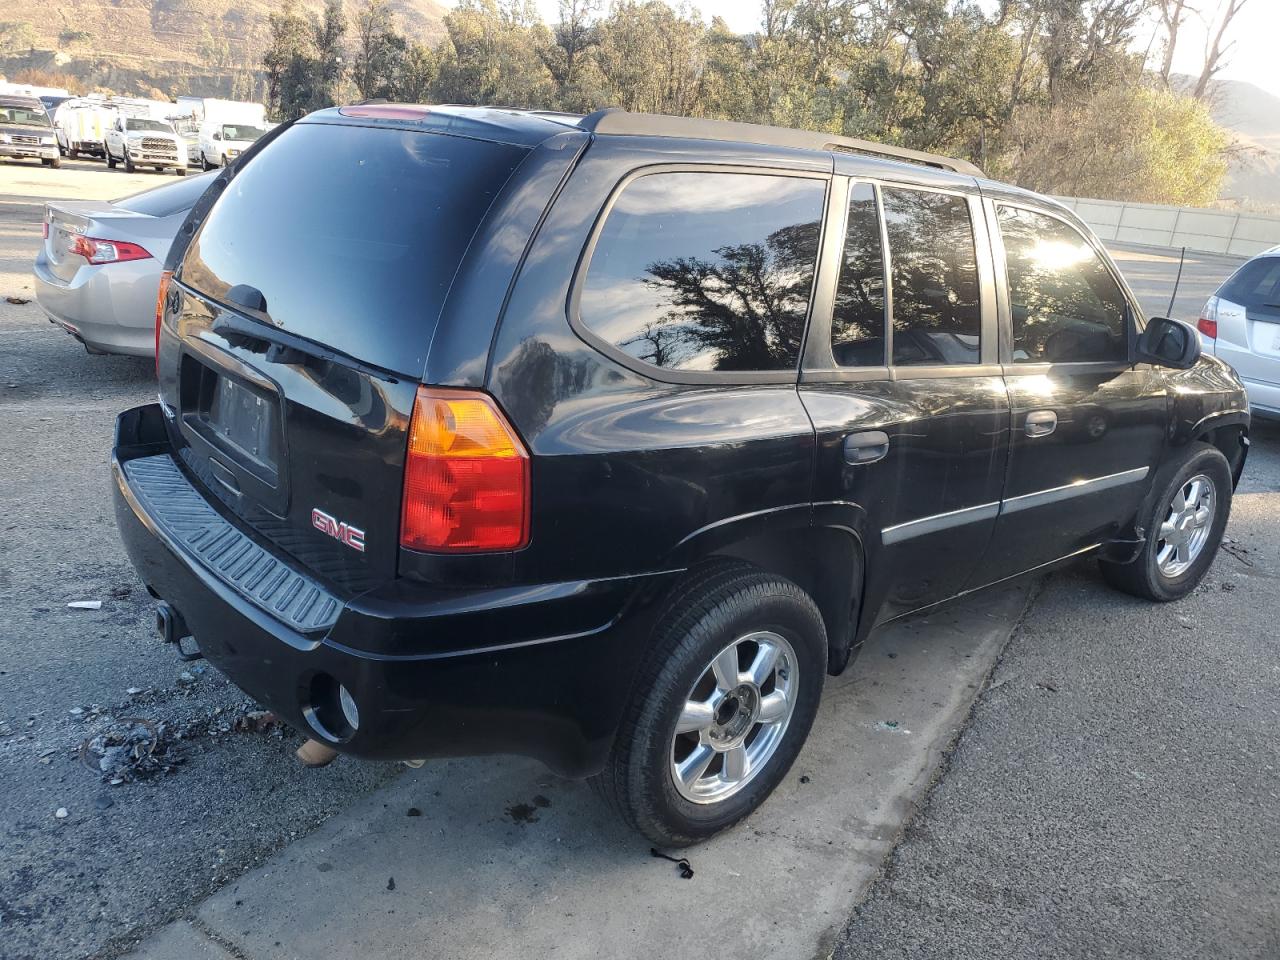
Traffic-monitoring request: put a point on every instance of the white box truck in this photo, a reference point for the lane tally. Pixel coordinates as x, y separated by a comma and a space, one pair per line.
81, 125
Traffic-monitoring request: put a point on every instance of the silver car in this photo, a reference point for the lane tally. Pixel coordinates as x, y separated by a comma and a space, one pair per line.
1241, 324
98, 270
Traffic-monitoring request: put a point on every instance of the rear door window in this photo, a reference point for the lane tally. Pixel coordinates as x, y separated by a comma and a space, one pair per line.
1066, 306
937, 317
858, 314
352, 234
706, 271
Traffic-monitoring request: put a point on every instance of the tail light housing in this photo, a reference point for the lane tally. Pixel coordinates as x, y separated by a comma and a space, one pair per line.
466, 476
1208, 322
161, 296
99, 252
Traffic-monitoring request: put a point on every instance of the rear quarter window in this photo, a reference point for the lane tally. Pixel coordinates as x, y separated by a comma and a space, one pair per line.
706, 271
352, 234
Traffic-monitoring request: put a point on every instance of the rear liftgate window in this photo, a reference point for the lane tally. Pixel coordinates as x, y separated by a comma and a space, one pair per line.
707, 271
352, 234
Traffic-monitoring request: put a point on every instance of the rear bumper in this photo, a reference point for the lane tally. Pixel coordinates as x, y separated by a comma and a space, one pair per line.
109, 308
541, 671
1264, 399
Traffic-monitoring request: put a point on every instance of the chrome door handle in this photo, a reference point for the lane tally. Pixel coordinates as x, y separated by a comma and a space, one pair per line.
1040, 423
866, 447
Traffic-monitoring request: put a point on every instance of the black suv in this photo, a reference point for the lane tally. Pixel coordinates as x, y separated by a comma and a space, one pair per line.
604, 440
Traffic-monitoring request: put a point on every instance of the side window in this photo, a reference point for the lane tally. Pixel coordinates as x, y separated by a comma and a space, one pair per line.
937, 318
857, 317
1066, 305
706, 271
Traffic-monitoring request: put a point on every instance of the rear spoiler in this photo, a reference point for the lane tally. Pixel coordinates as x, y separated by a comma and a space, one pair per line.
200, 210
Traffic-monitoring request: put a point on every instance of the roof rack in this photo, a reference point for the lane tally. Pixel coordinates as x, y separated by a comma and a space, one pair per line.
612, 120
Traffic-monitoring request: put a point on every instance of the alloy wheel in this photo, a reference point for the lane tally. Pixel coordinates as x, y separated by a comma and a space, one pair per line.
1185, 530
734, 717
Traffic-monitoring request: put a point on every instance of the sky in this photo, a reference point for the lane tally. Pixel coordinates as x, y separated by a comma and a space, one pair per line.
1256, 30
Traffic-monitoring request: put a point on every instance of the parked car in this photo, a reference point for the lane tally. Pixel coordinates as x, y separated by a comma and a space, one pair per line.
220, 143
98, 270
605, 441
143, 142
81, 127
1241, 324
25, 131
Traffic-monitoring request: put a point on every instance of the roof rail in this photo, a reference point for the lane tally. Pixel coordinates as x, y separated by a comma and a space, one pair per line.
612, 120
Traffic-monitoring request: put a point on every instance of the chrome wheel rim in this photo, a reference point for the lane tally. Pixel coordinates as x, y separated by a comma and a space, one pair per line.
734, 717
1186, 526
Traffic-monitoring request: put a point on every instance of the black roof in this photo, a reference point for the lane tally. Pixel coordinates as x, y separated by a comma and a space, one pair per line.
531, 127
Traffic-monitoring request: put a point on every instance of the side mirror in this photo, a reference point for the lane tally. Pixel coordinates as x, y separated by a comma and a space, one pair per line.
217, 136
1168, 343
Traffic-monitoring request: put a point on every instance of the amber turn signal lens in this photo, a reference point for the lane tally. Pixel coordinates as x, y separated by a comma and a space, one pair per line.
161, 295
466, 477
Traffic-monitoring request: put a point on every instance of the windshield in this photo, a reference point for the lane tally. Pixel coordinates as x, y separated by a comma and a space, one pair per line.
157, 125
241, 131
24, 116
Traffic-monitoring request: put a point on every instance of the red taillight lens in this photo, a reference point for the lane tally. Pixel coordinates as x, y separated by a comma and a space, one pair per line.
161, 295
466, 476
1208, 327
99, 252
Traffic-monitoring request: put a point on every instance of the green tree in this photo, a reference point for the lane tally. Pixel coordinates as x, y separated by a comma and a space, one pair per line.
380, 51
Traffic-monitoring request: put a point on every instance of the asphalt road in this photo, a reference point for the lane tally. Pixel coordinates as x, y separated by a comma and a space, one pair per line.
1116, 792
130, 856
81, 886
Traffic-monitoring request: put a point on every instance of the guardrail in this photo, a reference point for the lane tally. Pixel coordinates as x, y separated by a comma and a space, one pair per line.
1206, 231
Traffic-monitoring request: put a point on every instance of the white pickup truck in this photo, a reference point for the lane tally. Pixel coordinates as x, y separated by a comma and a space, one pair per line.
221, 143
142, 142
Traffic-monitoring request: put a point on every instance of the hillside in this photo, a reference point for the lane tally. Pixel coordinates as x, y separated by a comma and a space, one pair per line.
200, 47
1253, 116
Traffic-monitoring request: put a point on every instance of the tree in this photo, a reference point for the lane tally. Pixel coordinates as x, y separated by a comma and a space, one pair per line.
380, 51
1172, 13
1215, 52
495, 54
289, 63
1144, 144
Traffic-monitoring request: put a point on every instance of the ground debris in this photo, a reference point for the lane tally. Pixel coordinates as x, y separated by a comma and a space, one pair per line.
85, 605
131, 748
686, 871
256, 721
17, 301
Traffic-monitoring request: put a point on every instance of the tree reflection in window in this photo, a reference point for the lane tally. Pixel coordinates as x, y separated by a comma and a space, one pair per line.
857, 316
707, 271
936, 315
1066, 306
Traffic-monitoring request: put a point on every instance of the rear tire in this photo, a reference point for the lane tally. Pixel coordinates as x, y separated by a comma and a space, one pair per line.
1184, 520
56, 162
738, 660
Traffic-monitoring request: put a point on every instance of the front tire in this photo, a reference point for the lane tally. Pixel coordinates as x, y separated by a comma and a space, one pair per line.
111, 161
721, 707
128, 162
1184, 520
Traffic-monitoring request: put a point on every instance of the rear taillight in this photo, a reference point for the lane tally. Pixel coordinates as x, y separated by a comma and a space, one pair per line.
161, 295
466, 476
1208, 322
107, 251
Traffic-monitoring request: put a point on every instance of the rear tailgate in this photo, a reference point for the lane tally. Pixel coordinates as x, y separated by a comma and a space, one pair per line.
299, 325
